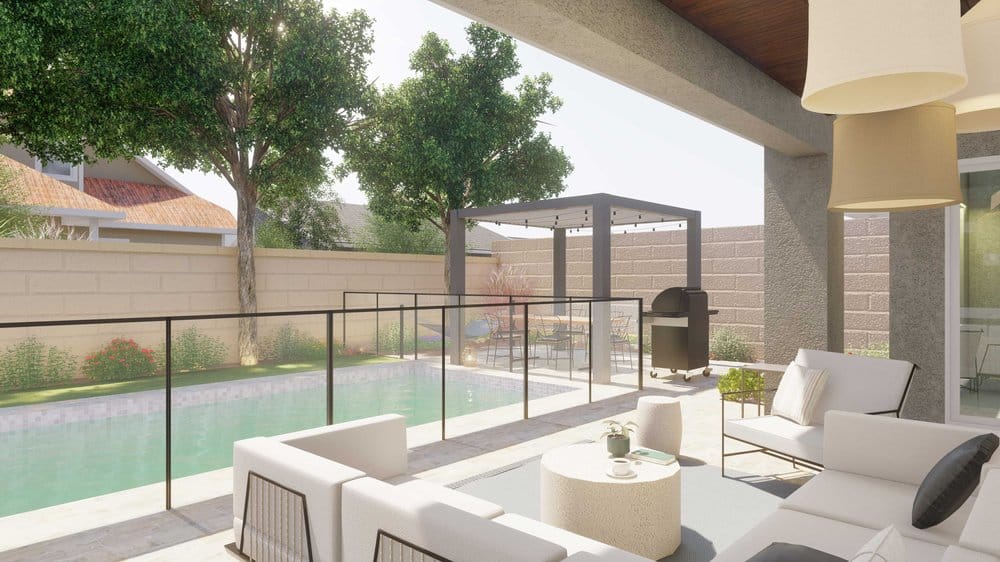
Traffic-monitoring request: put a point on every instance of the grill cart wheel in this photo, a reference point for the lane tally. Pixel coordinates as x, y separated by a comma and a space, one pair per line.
673, 371
653, 374
706, 372
687, 377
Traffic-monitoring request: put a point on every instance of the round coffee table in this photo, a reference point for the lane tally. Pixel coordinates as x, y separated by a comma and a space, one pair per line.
640, 514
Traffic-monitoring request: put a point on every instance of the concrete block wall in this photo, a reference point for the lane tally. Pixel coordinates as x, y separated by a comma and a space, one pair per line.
59, 279
645, 263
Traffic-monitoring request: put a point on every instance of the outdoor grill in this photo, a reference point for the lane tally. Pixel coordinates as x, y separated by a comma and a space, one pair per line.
678, 319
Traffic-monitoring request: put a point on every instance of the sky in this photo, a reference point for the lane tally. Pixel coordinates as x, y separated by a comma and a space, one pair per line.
619, 141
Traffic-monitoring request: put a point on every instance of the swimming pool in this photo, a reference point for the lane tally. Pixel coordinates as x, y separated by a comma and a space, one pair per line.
44, 465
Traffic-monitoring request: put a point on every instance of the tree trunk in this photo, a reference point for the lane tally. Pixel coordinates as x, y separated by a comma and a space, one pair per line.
245, 216
446, 223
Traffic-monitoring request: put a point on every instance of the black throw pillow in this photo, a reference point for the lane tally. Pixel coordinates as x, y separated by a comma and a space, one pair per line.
952, 481
785, 552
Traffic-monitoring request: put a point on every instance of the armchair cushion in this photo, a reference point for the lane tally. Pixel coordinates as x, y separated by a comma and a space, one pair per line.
952, 480
779, 434
856, 383
572, 542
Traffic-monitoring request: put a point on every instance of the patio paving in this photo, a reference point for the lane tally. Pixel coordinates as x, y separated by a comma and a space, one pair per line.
199, 529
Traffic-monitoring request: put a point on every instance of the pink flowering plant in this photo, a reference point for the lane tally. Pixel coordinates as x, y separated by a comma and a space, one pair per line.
120, 360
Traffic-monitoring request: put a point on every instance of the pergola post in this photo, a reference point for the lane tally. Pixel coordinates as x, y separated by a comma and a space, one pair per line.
694, 250
559, 268
456, 285
600, 358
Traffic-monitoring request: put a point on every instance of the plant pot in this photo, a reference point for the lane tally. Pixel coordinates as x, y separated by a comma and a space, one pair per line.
618, 445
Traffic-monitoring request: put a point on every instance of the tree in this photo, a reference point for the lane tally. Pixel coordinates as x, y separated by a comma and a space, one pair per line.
254, 90
15, 216
452, 136
383, 235
303, 223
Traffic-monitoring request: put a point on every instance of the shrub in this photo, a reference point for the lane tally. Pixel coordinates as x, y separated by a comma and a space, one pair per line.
727, 345
193, 350
30, 364
880, 350
120, 360
288, 344
742, 379
388, 340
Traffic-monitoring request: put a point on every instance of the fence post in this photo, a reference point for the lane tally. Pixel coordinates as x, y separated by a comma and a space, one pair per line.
510, 333
416, 327
343, 321
524, 359
378, 338
444, 353
572, 339
168, 351
400, 331
329, 367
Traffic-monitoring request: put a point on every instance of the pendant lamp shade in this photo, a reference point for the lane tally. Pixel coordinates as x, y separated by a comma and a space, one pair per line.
977, 107
896, 160
879, 55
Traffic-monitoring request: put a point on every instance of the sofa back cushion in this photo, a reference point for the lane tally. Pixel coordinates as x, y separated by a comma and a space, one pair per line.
980, 532
857, 384
375, 445
370, 505
886, 447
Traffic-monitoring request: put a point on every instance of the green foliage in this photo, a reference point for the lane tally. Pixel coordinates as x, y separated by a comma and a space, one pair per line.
453, 136
272, 233
30, 364
880, 350
193, 350
288, 344
388, 338
383, 235
743, 379
120, 360
727, 345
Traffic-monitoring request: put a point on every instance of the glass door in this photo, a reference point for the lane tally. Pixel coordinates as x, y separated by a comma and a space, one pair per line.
974, 296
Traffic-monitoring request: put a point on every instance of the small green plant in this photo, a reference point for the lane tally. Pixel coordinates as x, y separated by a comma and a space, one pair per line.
120, 360
742, 379
288, 344
727, 345
30, 364
193, 350
614, 428
388, 340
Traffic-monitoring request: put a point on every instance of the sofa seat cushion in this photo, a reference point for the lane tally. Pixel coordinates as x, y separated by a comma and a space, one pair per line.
961, 554
370, 505
572, 542
779, 434
980, 532
828, 535
873, 503
465, 502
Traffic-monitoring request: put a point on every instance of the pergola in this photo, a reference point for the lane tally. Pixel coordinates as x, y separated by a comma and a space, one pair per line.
598, 212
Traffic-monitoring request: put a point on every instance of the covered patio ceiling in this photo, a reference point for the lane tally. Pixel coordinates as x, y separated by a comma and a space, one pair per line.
773, 35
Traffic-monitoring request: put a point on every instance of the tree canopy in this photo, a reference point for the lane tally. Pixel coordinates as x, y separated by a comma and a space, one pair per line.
253, 90
454, 136
380, 234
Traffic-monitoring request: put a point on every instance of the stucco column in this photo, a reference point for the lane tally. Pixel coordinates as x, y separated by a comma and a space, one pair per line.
600, 359
803, 258
559, 268
916, 306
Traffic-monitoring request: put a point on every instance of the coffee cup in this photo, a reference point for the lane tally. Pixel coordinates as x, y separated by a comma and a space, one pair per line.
621, 467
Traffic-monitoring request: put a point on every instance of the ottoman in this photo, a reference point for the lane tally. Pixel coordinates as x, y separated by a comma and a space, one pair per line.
660, 425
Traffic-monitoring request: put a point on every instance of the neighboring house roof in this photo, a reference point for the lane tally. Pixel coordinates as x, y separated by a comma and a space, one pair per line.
55, 197
148, 204
353, 217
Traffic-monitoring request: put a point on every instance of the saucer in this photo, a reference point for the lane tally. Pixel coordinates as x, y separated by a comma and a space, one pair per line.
631, 474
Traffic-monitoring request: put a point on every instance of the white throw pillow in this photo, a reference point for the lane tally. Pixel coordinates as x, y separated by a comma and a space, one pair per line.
886, 546
798, 393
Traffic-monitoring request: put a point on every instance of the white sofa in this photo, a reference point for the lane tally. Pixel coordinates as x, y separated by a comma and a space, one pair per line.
854, 383
874, 465
355, 479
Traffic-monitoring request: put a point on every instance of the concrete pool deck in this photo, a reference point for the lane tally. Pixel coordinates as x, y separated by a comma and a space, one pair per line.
476, 444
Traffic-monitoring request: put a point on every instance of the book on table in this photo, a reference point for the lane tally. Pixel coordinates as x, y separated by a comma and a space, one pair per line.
652, 455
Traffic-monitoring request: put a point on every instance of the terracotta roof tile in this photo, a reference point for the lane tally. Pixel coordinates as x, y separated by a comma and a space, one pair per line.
42, 191
145, 203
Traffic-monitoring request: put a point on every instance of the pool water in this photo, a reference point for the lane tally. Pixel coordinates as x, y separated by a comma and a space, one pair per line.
45, 466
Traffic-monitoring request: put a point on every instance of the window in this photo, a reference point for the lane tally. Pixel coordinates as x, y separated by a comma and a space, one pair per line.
58, 170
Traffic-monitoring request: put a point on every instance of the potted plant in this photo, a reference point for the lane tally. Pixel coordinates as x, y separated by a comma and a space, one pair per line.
619, 443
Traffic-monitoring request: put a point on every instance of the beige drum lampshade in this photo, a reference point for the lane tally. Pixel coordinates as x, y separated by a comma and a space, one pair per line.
977, 107
895, 160
880, 55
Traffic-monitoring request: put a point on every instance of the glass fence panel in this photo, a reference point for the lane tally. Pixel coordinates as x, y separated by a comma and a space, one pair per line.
558, 358
82, 414
217, 401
